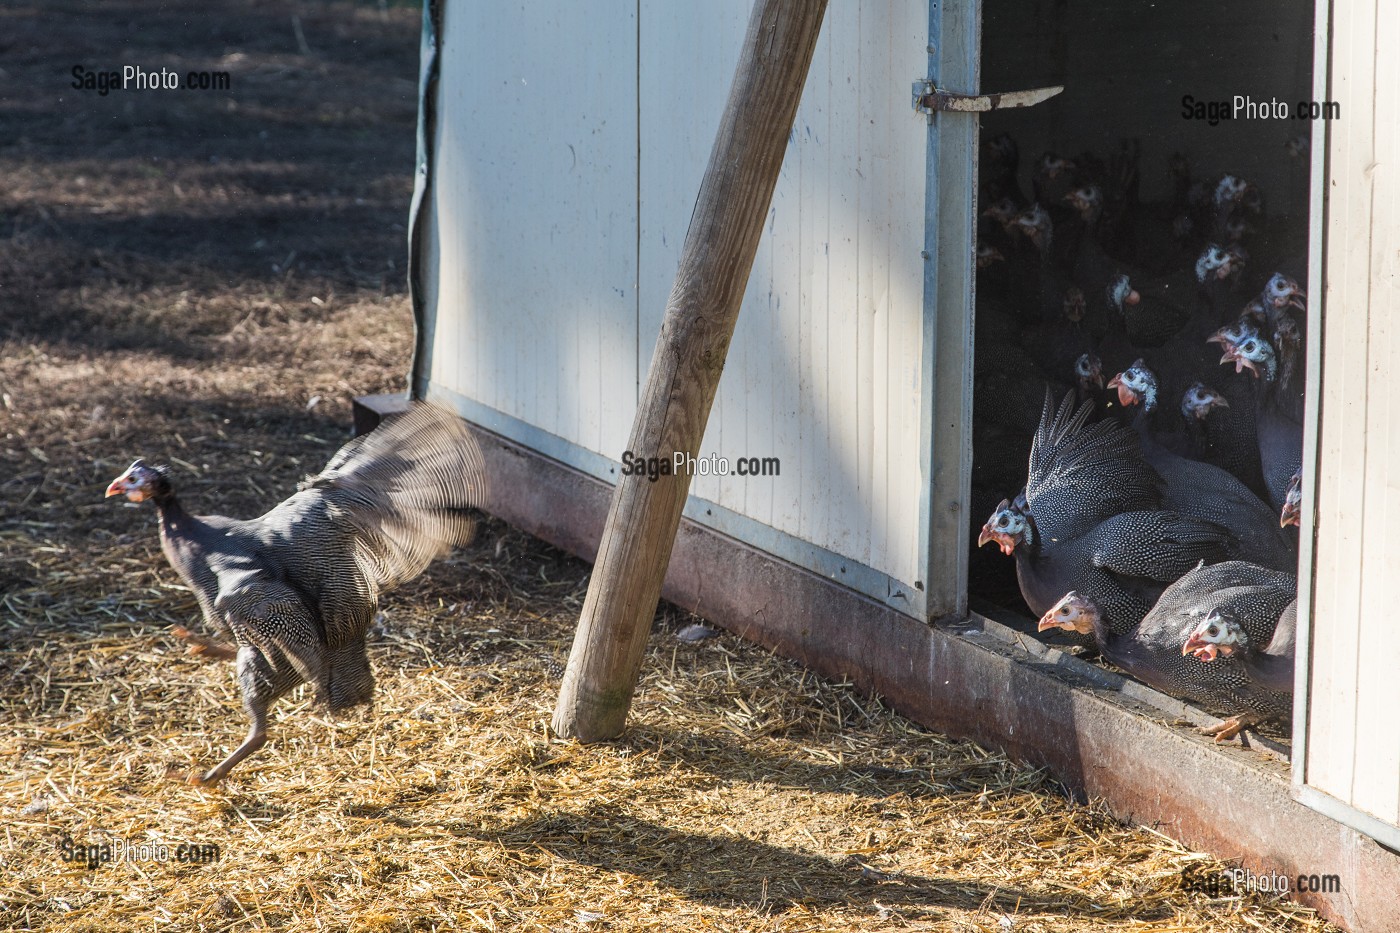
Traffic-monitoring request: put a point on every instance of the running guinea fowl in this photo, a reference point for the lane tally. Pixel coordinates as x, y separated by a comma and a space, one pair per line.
297, 588
1152, 650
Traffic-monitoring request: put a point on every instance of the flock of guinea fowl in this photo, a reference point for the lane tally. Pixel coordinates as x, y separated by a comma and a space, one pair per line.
1150, 523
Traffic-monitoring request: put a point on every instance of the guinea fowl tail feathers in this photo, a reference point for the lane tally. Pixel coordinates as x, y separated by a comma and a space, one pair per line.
1081, 474
426, 450
412, 488
350, 682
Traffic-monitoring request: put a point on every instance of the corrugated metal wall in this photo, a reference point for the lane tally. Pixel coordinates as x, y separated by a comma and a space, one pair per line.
570, 147
824, 368
1353, 721
532, 252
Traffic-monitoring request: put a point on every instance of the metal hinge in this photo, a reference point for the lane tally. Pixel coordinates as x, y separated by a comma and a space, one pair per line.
928, 99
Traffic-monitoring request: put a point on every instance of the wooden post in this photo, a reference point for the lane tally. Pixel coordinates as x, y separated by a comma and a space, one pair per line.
685, 368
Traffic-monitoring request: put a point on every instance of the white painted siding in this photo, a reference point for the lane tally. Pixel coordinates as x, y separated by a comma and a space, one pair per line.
570, 147
535, 214
1353, 737
824, 370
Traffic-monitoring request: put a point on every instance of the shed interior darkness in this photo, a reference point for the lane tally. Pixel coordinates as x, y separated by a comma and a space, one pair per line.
1125, 68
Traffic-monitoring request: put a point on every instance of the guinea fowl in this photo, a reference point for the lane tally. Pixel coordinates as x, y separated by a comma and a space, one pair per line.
1053, 178
999, 159
1199, 489
1267, 666
1222, 434
1152, 650
1278, 411
1176, 311
298, 588
1092, 519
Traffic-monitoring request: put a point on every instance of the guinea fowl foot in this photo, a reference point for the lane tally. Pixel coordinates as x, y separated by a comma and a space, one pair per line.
197, 778
1230, 728
202, 646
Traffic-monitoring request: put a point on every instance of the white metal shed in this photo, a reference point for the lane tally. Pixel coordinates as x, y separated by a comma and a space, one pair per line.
580, 195
561, 147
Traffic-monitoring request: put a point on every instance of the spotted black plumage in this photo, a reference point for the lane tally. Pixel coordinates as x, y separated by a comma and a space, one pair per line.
1081, 474
298, 588
1152, 652
1092, 521
1200, 489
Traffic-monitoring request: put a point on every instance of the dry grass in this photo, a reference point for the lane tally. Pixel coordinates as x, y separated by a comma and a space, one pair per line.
748, 795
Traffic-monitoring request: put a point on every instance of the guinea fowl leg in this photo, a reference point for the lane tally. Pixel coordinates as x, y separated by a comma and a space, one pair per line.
202, 646
1231, 727
257, 738
260, 684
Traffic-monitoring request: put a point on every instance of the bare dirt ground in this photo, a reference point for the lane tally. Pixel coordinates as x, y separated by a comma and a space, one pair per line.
207, 279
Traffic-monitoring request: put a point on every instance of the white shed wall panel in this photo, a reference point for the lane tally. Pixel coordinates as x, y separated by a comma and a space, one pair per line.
824, 370
535, 209
570, 145
1353, 739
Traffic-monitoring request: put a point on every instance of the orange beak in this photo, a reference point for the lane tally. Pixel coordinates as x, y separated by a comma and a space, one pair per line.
1290, 515
1126, 396
1201, 648
122, 486
1047, 621
990, 535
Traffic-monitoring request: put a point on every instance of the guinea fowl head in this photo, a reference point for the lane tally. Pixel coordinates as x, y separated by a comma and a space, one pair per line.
1253, 353
1052, 166
1001, 151
1200, 400
1281, 292
1254, 315
1088, 372
1245, 326
1219, 633
1292, 513
1087, 201
1289, 343
1232, 189
1004, 212
1120, 292
1073, 613
1136, 385
988, 255
1034, 222
1073, 304
1217, 262
1235, 229
1009, 527
140, 482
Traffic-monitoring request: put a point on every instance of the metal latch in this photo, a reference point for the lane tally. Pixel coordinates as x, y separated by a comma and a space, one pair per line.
928, 99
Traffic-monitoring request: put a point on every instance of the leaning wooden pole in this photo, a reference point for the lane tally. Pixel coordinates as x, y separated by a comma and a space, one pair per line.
686, 365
